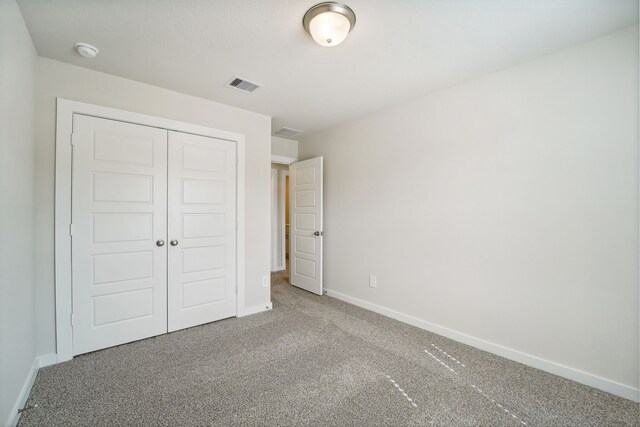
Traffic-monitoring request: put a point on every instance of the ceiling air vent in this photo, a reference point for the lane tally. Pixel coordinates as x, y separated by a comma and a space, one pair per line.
242, 85
287, 132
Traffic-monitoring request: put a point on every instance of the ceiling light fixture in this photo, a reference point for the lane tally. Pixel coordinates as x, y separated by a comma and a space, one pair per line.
329, 23
87, 50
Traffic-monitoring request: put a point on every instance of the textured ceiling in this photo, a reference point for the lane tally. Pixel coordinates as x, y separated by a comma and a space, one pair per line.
399, 49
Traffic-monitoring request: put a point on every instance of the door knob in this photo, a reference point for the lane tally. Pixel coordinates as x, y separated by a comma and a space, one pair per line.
174, 243
318, 233
160, 243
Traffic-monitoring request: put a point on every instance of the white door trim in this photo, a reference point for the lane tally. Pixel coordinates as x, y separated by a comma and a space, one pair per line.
64, 128
275, 261
278, 219
283, 218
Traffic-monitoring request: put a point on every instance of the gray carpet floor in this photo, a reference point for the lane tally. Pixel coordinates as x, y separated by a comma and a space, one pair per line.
310, 361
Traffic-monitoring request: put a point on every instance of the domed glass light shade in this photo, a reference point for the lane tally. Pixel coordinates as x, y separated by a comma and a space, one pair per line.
329, 23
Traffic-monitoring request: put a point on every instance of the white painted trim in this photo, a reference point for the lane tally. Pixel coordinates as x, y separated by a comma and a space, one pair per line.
240, 232
64, 127
278, 215
283, 220
62, 240
47, 360
256, 309
274, 220
283, 160
38, 362
24, 394
545, 365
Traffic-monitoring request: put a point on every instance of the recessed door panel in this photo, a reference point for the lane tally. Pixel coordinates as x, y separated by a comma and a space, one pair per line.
306, 268
119, 210
203, 259
122, 227
305, 198
122, 148
305, 222
306, 175
207, 159
207, 192
306, 245
202, 213
204, 292
203, 225
122, 306
116, 267
119, 187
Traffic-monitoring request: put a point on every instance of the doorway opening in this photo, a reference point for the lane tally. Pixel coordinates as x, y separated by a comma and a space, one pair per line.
279, 217
279, 224
299, 234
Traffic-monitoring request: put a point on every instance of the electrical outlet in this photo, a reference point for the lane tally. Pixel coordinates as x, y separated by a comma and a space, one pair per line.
373, 281
265, 281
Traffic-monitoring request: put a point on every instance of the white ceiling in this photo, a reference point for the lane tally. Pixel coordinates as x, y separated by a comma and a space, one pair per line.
399, 49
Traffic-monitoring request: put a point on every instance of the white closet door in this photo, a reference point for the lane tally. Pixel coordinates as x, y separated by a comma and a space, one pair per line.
202, 230
119, 220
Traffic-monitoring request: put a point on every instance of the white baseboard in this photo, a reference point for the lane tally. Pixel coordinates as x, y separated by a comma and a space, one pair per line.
38, 362
545, 365
256, 309
22, 397
47, 360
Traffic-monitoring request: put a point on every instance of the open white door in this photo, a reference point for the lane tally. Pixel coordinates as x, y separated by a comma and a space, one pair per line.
305, 180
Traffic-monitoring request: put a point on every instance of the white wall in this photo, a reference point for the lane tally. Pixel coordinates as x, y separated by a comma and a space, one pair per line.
56, 79
505, 208
17, 171
284, 147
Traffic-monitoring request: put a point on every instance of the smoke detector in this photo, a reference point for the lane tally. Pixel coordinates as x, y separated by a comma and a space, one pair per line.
87, 50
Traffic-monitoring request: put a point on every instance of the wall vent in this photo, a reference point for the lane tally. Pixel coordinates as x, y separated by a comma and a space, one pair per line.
287, 132
242, 85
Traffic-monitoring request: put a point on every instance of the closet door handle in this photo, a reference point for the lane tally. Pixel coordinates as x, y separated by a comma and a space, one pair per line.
174, 243
160, 243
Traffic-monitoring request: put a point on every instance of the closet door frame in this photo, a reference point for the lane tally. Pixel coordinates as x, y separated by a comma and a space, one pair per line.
66, 109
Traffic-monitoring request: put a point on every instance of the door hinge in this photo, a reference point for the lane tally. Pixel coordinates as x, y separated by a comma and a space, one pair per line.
73, 139
236, 289
71, 318
236, 223
70, 229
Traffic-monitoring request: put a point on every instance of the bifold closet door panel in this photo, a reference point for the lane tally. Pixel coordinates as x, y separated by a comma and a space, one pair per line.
202, 230
119, 215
